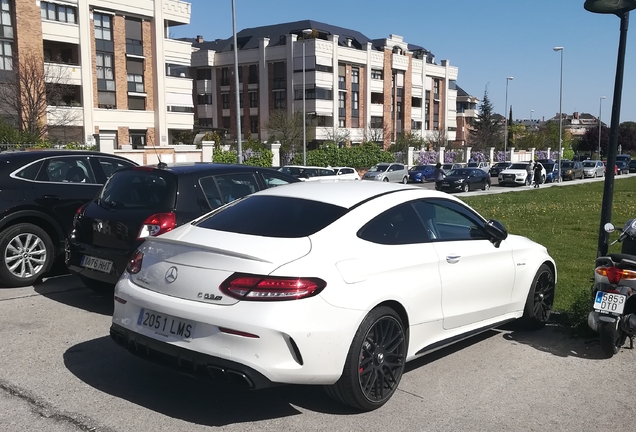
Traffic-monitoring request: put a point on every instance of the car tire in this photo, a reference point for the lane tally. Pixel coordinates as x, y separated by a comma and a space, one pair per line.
405, 180
594, 176
527, 183
385, 179
465, 187
538, 307
377, 352
486, 186
542, 179
27, 254
611, 338
97, 286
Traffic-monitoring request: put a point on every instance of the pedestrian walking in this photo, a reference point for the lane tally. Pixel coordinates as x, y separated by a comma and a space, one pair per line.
438, 175
538, 174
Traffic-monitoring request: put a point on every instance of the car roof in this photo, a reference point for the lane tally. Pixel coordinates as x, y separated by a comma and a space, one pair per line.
195, 167
345, 194
29, 155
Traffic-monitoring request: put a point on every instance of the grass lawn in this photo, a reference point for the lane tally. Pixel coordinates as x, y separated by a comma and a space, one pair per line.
566, 221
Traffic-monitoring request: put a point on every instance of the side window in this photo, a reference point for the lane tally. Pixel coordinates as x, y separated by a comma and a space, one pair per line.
273, 180
397, 226
222, 189
73, 169
449, 222
29, 172
110, 165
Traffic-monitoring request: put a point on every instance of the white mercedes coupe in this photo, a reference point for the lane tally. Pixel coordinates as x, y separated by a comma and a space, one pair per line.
333, 284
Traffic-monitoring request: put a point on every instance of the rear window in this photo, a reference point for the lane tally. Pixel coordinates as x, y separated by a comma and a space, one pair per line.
281, 217
135, 189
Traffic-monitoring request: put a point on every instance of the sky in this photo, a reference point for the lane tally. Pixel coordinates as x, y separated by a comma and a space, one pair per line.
488, 40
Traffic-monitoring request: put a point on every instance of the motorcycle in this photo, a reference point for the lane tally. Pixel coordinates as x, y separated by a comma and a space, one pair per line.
613, 314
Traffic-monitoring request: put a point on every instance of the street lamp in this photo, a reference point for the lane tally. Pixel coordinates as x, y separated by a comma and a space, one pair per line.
621, 9
600, 108
508, 79
306, 33
237, 93
560, 112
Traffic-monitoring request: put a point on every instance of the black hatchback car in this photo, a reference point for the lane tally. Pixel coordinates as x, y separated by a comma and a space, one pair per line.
148, 201
40, 192
465, 179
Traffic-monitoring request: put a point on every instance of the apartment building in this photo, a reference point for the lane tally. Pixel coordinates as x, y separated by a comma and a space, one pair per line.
374, 89
127, 83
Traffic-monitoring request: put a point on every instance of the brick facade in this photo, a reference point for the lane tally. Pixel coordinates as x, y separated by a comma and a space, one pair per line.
150, 137
149, 81
122, 136
121, 75
348, 100
363, 98
94, 71
387, 114
407, 101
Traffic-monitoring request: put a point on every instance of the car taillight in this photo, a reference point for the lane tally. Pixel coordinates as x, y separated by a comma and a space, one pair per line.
135, 261
78, 214
266, 288
615, 274
157, 224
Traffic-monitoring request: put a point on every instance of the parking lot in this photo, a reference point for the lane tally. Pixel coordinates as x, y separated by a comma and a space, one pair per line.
62, 372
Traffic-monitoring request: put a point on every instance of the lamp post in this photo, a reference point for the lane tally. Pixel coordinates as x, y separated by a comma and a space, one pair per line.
531, 111
621, 9
600, 110
237, 93
508, 79
306, 33
560, 113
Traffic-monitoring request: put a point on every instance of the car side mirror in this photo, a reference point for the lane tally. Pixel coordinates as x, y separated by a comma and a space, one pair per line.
496, 231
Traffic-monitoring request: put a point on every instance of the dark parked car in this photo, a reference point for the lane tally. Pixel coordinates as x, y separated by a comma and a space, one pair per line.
498, 167
466, 179
632, 166
148, 201
421, 173
571, 170
40, 193
623, 167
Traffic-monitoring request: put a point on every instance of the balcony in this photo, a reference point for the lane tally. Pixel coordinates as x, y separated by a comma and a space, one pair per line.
61, 73
60, 32
64, 115
179, 85
179, 120
176, 51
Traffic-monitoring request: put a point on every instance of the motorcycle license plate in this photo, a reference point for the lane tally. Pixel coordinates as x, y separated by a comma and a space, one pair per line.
609, 302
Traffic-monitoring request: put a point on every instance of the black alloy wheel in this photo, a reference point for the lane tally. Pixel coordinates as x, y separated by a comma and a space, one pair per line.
375, 362
465, 187
538, 306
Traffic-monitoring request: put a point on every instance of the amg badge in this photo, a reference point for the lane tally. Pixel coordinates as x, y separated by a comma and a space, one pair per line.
207, 296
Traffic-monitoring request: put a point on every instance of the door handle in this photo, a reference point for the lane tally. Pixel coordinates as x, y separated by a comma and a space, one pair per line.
452, 259
54, 197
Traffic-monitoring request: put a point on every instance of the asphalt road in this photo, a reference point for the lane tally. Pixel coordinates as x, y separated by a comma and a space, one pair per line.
60, 371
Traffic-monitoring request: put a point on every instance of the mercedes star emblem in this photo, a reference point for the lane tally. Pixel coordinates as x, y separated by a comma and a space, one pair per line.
171, 274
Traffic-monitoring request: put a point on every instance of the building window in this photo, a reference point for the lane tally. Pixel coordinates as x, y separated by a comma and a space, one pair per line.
377, 122
436, 89
240, 99
206, 122
134, 44
376, 74
226, 123
225, 76
240, 74
137, 138
279, 100
103, 32
254, 125
55, 12
355, 78
355, 103
342, 104
177, 70
106, 99
6, 56
253, 74
204, 99
105, 73
204, 74
416, 125
253, 99
135, 69
341, 123
280, 76
314, 93
416, 102
225, 100
136, 103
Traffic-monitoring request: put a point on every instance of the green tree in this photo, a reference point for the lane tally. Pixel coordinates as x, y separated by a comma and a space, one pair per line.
627, 136
406, 140
487, 132
511, 135
287, 129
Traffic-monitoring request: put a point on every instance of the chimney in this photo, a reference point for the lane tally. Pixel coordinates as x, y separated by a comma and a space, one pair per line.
199, 39
349, 40
576, 115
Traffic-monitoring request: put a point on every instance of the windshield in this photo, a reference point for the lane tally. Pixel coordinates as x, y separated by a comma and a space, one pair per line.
501, 164
378, 168
280, 217
568, 165
548, 167
420, 168
472, 165
137, 188
589, 164
460, 172
519, 166
623, 157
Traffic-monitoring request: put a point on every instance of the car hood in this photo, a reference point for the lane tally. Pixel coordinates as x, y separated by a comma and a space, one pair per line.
455, 177
513, 171
201, 259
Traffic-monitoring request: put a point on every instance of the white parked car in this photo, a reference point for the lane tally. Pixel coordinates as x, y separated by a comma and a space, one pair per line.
481, 165
519, 173
346, 173
266, 300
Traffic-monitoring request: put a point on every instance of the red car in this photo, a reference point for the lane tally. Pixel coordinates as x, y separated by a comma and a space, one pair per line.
615, 168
